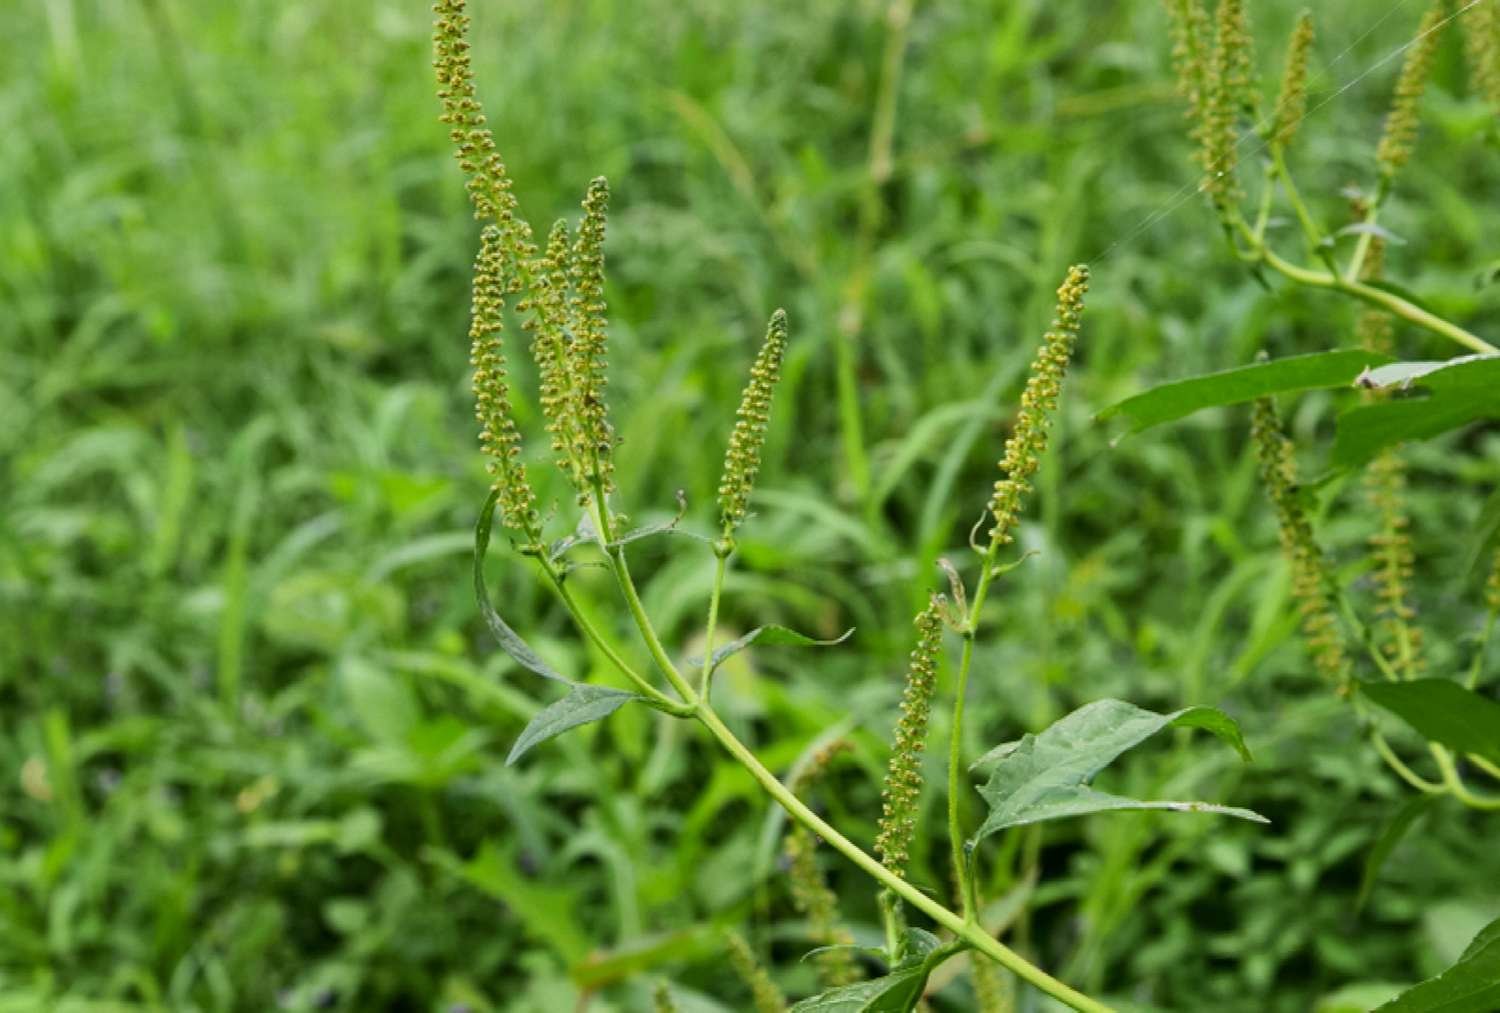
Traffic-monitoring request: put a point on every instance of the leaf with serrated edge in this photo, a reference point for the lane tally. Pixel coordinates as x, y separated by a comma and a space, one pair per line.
1045, 776
510, 640
583, 704
1472, 985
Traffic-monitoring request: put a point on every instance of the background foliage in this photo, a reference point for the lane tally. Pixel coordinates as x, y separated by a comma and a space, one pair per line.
251, 731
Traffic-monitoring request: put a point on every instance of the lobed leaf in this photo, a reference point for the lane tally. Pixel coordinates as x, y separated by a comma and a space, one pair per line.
1442, 711
1172, 401
1045, 776
1455, 393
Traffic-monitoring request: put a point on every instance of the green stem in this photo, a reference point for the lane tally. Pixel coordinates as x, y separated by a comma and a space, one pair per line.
1310, 230
721, 564
1389, 301
968, 931
961, 864
589, 630
1406, 774
648, 632
1455, 783
1367, 237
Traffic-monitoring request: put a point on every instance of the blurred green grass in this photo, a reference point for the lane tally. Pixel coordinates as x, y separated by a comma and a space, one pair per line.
253, 735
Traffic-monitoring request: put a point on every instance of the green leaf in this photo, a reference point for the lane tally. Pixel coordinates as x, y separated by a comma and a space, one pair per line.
1396, 829
510, 641
1444, 712
583, 704
774, 636
1045, 776
1452, 394
896, 992
1172, 401
1470, 986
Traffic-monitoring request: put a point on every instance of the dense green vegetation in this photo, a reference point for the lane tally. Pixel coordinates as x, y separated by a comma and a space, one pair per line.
254, 730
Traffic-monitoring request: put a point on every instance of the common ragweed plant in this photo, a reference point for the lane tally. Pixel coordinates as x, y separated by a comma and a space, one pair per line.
1383, 662
558, 293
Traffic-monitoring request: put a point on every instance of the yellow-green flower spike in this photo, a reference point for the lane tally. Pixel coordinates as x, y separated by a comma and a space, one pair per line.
1482, 48
1291, 104
546, 306
1310, 577
1399, 138
663, 1001
1229, 94
1395, 563
489, 183
589, 361
903, 777
498, 436
1028, 438
1191, 39
742, 459
764, 995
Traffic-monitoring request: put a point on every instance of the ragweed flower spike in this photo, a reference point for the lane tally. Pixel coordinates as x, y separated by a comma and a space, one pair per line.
1028, 439
1310, 577
1482, 48
588, 358
1291, 104
1399, 139
546, 306
489, 183
903, 778
742, 460
1229, 94
764, 994
1191, 40
1492, 586
498, 436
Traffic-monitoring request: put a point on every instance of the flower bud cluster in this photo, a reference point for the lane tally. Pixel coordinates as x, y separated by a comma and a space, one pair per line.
1023, 451
903, 778
742, 459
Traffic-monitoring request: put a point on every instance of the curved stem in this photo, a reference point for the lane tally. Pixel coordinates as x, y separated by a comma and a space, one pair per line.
1406, 774
1455, 783
964, 929
1403, 308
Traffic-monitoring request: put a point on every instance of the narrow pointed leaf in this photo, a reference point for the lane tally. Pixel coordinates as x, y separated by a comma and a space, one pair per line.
1470, 986
510, 641
774, 636
1046, 776
584, 703
1172, 401
1444, 712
